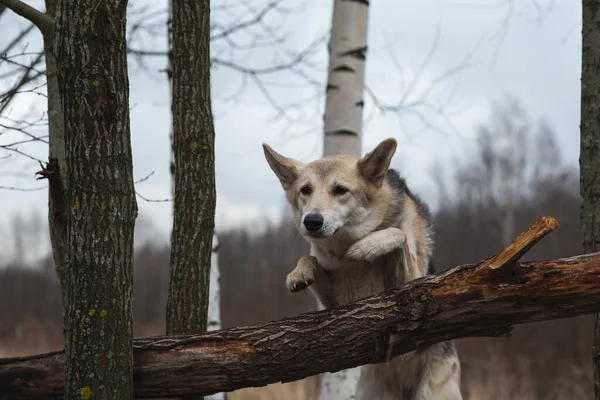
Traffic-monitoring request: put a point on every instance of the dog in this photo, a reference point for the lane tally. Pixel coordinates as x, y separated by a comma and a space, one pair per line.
368, 233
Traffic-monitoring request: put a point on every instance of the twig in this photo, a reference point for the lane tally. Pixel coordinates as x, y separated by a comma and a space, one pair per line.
152, 200
17, 189
44, 22
6, 98
144, 178
522, 244
17, 39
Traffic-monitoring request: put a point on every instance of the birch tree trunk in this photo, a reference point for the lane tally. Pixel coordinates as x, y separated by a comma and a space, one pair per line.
90, 49
343, 123
589, 161
214, 303
346, 77
193, 169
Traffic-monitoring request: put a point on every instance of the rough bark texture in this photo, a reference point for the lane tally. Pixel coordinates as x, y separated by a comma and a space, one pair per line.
195, 196
90, 49
466, 301
346, 77
190, 181
57, 177
589, 160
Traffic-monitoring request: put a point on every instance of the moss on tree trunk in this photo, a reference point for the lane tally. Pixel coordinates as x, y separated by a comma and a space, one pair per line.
90, 49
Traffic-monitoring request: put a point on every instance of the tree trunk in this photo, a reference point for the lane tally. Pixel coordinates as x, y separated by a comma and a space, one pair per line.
194, 175
194, 95
343, 122
170, 79
214, 314
346, 78
483, 299
589, 160
57, 178
90, 49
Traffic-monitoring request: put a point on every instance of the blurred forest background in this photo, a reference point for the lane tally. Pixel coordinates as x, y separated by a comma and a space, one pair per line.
515, 176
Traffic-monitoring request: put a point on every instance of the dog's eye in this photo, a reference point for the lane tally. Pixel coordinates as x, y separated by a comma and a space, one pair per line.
339, 190
306, 190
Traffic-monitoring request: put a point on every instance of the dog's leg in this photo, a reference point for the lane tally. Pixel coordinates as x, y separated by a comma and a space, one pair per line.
446, 386
394, 272
442, 382
393, 244
303, 275
377, 244
308, 273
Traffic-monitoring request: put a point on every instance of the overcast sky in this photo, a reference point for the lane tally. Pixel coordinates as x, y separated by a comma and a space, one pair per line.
484, 51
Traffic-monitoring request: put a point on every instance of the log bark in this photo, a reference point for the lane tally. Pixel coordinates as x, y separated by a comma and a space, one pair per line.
589, 160
466, 301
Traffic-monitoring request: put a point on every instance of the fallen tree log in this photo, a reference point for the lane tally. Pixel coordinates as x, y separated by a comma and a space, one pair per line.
482, 299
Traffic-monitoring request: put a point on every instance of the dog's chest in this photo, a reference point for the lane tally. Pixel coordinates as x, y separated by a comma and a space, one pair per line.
354, 281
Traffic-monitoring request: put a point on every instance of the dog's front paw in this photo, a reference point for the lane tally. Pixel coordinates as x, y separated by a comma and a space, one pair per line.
363, 250
376, 245
297, 281
302, 276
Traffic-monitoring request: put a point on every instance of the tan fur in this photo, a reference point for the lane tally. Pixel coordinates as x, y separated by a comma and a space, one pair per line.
372, 238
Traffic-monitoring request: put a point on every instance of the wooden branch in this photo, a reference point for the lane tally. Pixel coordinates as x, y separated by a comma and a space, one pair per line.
523, 243
461, 302
44, 22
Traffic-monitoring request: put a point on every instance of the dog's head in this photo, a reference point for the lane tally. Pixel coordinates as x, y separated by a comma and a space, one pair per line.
338, 194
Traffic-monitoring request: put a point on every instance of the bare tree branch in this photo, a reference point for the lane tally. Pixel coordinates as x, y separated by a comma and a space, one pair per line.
152, 200
19, 189
29, 75
224, 32
16, 40
44, 22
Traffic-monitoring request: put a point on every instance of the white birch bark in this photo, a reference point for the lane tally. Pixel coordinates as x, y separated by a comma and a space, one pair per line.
214, 305
343, 124
346, 77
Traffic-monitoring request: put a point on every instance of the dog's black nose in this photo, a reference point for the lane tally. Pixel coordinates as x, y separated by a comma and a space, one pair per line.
313, 222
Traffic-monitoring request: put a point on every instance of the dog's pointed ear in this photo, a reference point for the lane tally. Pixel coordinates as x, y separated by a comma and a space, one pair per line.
285, 168
373, 166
